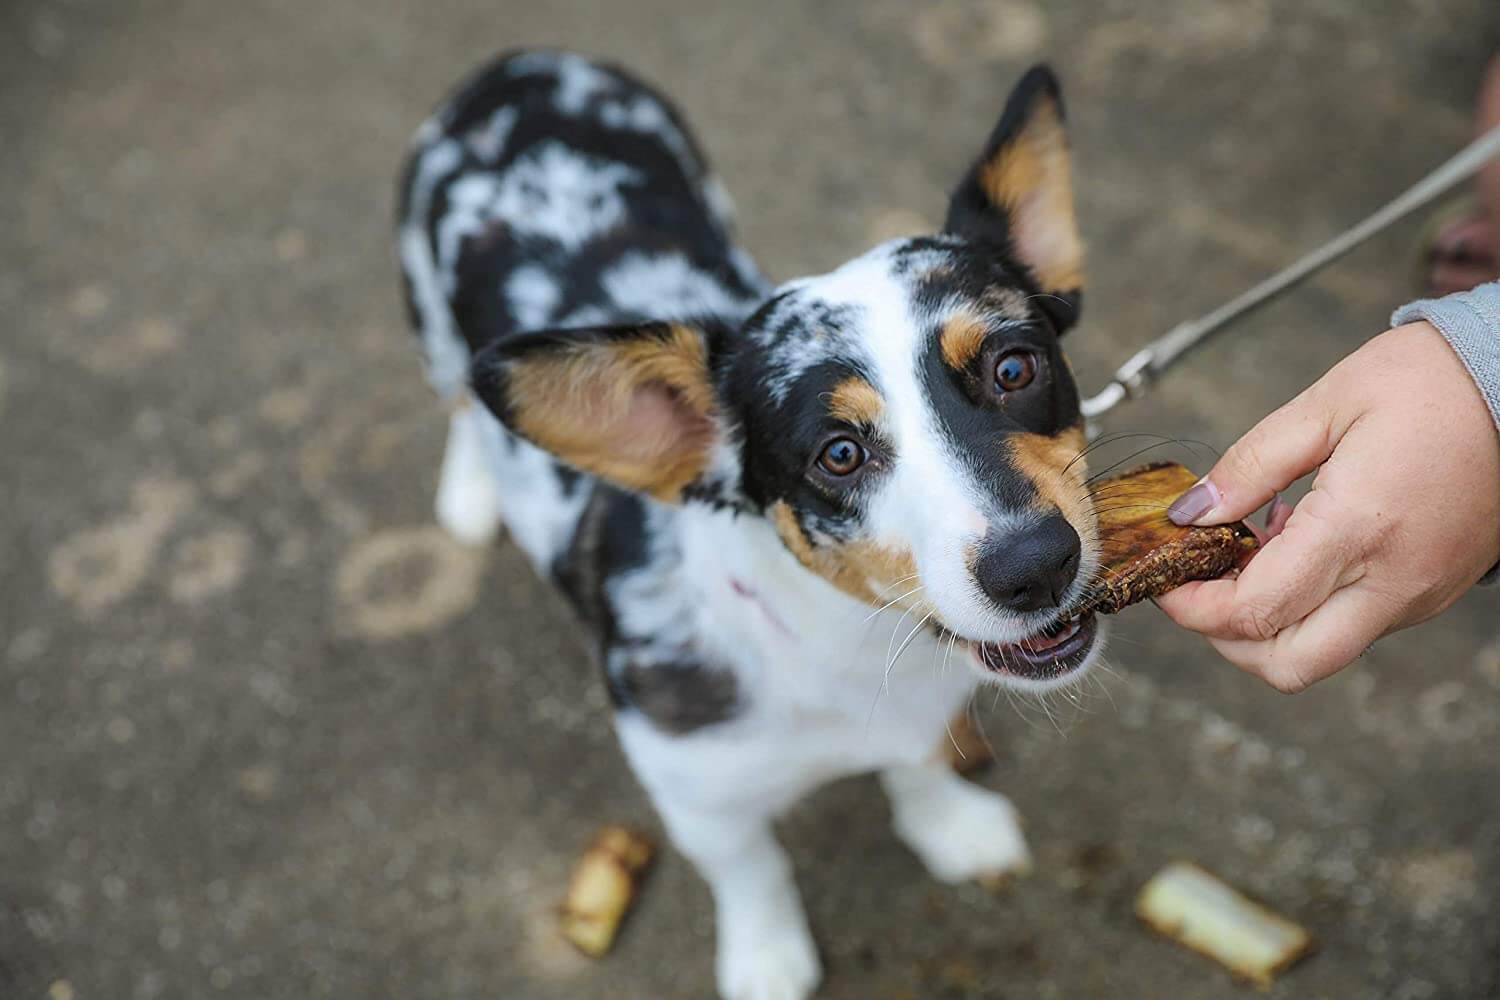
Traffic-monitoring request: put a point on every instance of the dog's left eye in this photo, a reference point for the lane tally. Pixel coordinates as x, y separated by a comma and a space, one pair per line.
1015, 371
841, 457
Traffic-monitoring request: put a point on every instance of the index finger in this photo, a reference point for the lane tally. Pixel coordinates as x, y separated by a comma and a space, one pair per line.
1289, 578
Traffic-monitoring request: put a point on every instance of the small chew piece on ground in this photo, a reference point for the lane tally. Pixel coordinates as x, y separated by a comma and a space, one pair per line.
1146, 555
1193, 908
604, 884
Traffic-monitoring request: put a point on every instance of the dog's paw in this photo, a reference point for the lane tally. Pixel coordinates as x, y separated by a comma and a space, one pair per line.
468, 510
468, 497
772, 962
967, 833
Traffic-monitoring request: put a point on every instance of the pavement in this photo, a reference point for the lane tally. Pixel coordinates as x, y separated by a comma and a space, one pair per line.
265, 732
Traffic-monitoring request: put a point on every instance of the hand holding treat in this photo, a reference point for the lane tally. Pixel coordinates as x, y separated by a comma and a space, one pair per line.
1403, 517
1144, 553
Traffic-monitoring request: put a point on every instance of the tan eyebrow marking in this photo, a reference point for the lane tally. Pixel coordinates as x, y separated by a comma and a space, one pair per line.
855, 401
960, 340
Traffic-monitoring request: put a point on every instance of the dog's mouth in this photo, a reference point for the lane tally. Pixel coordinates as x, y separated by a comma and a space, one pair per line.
1052, 653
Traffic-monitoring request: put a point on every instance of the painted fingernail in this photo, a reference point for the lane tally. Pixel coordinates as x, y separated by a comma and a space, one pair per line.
1193, 504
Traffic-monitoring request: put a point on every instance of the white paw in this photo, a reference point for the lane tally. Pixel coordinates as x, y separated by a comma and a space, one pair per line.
965, 833
772, 961
468, 498
469, 511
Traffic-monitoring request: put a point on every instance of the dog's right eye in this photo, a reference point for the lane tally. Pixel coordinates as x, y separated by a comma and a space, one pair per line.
1015, 371
841, 457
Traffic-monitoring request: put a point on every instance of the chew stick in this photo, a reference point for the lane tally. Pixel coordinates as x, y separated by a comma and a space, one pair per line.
604, 884
1193, 908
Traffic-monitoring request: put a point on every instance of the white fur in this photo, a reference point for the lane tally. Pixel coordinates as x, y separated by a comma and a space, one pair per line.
812, 665
532, 295
539, 513
959, 830
468, 495
446, 353
647, 283
642, 113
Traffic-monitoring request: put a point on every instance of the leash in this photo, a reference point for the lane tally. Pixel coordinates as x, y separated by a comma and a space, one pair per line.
1136, 376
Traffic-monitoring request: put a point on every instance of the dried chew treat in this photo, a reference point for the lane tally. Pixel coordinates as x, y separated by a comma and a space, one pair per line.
1193, 908
1144, 554
604, 883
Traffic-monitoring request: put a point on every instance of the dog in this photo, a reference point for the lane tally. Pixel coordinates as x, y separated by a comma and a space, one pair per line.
802, 523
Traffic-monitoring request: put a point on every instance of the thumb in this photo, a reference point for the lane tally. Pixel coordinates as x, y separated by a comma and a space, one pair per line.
1279, 450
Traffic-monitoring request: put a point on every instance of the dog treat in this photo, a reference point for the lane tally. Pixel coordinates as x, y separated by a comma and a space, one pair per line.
1193, 908
1145, 554
604, 884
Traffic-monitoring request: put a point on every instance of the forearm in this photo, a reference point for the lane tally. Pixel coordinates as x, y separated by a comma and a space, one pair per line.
1470, 322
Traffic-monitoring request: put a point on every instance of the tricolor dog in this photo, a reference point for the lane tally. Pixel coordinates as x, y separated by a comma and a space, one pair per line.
802, 522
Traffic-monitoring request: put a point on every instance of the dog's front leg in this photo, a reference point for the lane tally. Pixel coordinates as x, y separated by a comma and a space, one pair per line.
764, 949
468, 497
959, 829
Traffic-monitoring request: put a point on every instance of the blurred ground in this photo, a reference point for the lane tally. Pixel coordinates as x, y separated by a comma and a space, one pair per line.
265, 733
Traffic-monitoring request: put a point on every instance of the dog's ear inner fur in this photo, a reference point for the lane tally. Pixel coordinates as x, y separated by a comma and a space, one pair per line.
1018, 195
633, 405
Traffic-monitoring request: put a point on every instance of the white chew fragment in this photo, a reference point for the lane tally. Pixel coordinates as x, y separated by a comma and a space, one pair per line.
1194, 908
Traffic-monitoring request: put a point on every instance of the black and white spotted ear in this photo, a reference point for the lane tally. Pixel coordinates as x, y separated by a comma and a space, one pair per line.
1018, 196
633, 405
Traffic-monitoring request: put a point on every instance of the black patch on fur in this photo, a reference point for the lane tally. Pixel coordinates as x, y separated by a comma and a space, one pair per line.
779, 441
678, 698
664, 207
611, 539
976, 423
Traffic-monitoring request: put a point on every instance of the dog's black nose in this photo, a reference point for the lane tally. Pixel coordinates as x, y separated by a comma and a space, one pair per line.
1030, 570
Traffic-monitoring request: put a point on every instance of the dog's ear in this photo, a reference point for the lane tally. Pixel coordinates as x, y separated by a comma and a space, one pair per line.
1018, 196
633, 405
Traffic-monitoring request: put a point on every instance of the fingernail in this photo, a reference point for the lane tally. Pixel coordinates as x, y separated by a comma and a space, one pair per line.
1193, 504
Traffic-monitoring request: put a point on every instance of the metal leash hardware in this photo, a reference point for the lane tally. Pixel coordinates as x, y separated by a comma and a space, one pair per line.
1136, 376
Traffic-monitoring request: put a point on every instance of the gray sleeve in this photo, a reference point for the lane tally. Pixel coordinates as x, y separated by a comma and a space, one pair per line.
1470, 322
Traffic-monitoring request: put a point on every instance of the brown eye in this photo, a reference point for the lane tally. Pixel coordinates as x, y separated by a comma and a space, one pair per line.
1015, 371
841, 456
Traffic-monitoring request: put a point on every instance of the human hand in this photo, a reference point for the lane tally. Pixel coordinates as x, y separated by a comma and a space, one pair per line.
1403, 517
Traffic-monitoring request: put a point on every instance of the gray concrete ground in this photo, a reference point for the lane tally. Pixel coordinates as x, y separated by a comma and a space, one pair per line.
265, 733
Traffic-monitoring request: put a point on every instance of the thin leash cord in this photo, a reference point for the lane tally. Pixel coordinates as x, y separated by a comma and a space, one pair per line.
1147, 365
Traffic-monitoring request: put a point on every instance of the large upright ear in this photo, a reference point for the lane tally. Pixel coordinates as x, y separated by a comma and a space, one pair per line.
1018, 196
633, 404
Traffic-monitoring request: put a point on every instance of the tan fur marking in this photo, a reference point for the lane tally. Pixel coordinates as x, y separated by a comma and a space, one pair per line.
568, 402
1042, 459
863, 570
1008, 302
960, 340
855, 402
1029, 177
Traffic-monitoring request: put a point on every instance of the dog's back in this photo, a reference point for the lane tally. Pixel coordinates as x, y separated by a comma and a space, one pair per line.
551, 191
